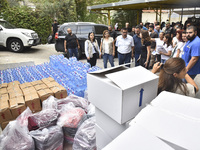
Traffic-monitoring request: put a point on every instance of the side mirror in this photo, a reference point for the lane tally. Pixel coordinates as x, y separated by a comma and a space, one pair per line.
1, 29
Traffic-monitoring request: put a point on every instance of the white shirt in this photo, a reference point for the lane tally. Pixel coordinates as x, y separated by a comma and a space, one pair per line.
190, 88
124, 45
181, 49
179, 46
93, 51
167, 49
106, 47
159, 45
175, 41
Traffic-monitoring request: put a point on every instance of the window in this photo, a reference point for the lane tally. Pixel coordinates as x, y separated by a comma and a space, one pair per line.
86, 29
100, 29
72, 27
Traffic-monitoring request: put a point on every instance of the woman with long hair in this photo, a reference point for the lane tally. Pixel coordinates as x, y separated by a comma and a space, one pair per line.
144, 58
171, 78
107, 48
177, 43
92, 49
166, 53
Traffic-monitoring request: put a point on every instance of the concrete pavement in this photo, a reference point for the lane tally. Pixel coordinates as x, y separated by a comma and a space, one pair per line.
40, 54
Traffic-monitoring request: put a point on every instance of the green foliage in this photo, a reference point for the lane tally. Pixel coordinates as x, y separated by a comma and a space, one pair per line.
63, 10
124, 16
3, 5
24, 17
46, 11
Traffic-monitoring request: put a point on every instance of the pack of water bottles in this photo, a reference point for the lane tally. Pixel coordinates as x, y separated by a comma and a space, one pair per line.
70, 73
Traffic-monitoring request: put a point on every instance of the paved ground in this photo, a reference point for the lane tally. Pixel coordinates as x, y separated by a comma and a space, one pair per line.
40, 54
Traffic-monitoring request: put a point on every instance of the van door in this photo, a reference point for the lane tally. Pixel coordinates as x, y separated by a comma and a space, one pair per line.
83, 31
99, 32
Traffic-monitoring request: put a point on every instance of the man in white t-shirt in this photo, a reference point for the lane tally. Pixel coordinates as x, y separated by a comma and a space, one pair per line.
125, 46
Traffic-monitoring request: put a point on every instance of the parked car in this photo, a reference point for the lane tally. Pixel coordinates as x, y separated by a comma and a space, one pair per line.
81, 29
16, 39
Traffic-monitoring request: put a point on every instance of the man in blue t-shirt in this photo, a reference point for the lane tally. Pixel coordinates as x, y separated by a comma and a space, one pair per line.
138, 45
192, 52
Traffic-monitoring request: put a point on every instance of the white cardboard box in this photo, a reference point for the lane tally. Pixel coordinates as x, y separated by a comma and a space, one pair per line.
137, 138
183, 132
179, 104
120, 92
102, 138
108, 125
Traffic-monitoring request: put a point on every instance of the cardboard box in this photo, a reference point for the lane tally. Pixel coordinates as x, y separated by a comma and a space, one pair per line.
47, 80
52, 84
4, 97
5, 113
36, 82
137, 138
25, 85
29, 90
44, 94
3, 91
120, 92
178, 131
33, 102
15, 93
178, 104
108, 125
13, 83
101, 142
40, 86
17, 106
13, 87
4, 85
59, 92
4, 124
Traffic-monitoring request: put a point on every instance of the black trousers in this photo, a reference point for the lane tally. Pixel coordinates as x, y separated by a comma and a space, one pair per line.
93, 60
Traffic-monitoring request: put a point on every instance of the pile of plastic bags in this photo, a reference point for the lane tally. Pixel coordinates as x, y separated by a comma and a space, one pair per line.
61, 121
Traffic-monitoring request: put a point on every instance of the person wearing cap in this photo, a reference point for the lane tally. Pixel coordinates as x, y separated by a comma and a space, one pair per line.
54, 29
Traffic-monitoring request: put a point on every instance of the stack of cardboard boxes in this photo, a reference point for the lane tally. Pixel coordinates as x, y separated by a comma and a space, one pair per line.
170, 122
118, 93
15, 97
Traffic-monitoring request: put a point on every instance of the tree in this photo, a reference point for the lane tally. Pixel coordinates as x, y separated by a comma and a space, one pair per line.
3, 5
123, 16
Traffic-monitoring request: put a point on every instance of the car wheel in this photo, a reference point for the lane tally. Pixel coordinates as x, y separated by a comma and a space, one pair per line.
15, 45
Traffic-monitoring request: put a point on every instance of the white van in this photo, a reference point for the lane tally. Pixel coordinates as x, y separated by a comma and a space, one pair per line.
16, 39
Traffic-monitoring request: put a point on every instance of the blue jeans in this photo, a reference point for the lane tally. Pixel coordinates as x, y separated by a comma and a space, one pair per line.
73, 51
136, 58
163, 61
107, 57
124, 58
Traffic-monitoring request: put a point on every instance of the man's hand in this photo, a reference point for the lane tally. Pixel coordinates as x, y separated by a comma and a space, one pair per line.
132, 55
88, 58
65, 50
78, 46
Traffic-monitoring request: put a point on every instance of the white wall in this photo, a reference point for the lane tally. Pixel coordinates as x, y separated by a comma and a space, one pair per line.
151, 17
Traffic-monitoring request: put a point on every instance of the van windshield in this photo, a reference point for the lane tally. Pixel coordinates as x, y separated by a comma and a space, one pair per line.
7, 25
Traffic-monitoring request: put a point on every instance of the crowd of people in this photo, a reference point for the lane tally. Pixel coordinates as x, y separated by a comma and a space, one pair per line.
172, 50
